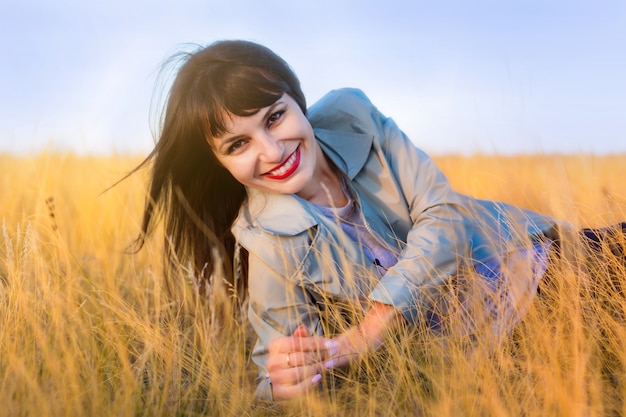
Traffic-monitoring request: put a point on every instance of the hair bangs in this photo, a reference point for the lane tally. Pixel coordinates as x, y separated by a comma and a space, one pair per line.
240, 91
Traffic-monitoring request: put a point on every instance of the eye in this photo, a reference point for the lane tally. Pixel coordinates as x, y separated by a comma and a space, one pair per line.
235, 146
274, 117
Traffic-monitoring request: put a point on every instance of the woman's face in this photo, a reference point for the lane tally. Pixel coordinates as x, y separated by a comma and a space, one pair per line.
273, 150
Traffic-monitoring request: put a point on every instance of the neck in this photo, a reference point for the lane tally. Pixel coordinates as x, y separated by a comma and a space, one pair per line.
326, 188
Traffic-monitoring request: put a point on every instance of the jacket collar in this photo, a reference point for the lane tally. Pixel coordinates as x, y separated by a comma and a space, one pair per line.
280, 214
347, 150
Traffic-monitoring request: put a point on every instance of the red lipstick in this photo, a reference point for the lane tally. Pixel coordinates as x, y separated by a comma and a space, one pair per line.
291, 163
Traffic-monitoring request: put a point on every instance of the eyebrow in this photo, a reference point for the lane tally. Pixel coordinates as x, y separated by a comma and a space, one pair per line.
229, 140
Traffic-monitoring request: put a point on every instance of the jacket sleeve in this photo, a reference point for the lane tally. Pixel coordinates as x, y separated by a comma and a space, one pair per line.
277, 306
438, 239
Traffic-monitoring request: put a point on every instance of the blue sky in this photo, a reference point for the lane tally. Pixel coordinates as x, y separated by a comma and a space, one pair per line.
458, 76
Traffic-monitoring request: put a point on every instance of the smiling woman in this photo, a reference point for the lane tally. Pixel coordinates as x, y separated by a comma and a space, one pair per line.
350, 232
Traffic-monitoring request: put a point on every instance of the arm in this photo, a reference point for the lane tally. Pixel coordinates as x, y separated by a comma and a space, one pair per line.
368, 336
435, 241
290, 350
439, 231
406, 198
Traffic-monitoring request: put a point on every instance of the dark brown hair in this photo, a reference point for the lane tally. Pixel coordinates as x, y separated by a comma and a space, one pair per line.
198, 198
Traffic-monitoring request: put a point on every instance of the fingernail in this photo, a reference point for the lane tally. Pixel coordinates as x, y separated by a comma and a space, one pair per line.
330, 364
332, 347
316, 378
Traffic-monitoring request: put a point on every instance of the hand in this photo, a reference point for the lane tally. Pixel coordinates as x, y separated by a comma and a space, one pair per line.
367, 337
295, 363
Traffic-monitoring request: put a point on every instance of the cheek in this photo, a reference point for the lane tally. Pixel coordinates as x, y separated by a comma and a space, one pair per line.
307, 130
241, 169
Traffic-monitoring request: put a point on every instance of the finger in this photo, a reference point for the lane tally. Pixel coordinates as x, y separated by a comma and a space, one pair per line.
291, 360
296, 358
293, 344
296, 375
289, 352
284, 354
301, 331
339, 361
284, 392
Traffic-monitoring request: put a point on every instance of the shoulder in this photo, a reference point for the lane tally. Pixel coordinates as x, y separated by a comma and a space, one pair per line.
342, 106
348, 127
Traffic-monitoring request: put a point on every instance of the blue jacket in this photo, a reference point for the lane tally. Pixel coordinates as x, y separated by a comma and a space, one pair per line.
301, 264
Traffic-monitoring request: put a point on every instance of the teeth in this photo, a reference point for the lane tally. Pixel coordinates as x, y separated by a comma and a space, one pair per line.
285, 167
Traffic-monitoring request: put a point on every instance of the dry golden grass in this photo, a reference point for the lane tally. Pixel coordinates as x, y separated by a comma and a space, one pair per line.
89, 330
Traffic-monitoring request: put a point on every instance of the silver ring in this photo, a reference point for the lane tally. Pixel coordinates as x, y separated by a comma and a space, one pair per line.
288, 362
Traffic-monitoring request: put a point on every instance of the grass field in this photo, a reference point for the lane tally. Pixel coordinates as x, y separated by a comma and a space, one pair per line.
87, 329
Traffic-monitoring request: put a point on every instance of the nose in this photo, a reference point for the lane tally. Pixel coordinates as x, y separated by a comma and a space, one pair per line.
271, 149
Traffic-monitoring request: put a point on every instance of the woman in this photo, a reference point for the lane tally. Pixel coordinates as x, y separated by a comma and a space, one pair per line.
351, 231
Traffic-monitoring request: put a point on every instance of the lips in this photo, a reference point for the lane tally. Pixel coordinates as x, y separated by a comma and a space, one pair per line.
287, 168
